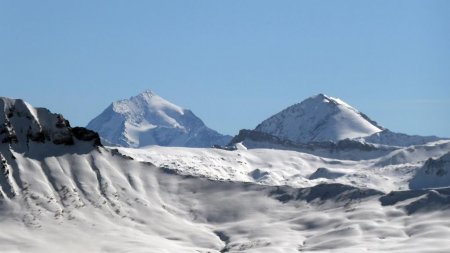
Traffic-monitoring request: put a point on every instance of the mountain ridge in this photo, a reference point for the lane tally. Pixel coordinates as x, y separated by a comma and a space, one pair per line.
25, 126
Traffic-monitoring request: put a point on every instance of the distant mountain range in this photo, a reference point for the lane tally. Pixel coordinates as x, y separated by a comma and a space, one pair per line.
148, 119
61, 190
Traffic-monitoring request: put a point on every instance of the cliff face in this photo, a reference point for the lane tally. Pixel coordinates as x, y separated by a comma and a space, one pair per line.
22, 125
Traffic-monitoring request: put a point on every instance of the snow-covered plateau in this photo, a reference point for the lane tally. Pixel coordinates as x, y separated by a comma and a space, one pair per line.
62, 191
387, 171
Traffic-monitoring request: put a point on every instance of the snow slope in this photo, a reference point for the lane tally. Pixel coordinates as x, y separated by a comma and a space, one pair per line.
77, 196
382, 171
434, 173
319, 118
148, 119
100, 201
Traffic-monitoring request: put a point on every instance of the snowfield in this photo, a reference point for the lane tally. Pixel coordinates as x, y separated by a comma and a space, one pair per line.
100, 201
388, 172
62, 191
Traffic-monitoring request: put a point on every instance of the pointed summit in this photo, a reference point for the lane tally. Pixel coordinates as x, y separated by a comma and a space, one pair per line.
148, 91
148, 119
148, 95
319, 118
135, 107
320, 95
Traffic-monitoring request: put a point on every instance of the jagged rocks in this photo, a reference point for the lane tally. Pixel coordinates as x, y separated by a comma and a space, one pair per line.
3, 165
7, 133
434, 173
21, 124
85, 134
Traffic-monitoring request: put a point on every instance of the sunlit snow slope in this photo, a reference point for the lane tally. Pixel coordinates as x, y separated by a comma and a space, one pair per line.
323, 119
384, 171
61, 191
148, 119
319, 118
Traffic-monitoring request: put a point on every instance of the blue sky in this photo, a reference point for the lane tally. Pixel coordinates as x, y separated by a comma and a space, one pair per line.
233, 63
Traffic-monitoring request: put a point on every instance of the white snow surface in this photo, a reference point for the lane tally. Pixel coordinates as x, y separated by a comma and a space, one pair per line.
86, 198
99, 201
387, 172
319, 118
148, 119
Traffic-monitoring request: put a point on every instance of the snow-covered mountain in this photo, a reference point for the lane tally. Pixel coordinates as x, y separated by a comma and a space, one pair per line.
320, 121
148, 119
35, 133
317, 119
61, 191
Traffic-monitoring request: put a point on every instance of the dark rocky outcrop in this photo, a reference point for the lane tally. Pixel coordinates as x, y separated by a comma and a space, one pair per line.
84, 134
21, 124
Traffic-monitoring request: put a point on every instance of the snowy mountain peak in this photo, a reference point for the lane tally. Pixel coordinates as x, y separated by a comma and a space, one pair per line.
145, 101
322, 98
148, 92
24, 127
148, 119
319, 118
147, 95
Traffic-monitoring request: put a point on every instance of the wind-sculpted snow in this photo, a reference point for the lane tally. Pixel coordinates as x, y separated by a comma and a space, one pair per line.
101, 201
58, 195
384, 171
148, 119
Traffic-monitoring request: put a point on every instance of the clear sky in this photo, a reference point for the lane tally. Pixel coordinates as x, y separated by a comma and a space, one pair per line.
235, 62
